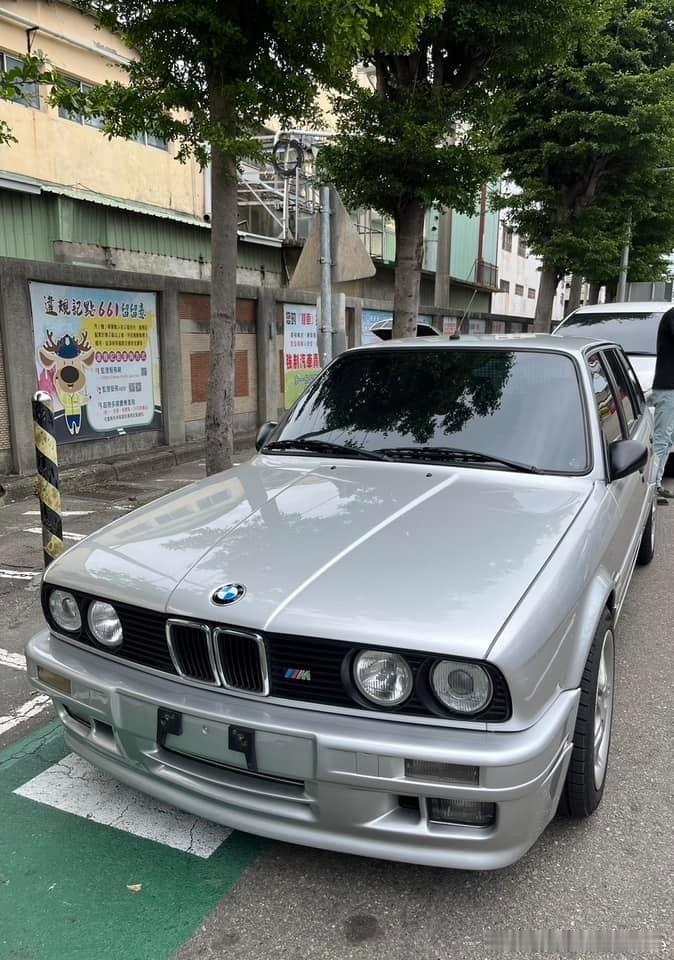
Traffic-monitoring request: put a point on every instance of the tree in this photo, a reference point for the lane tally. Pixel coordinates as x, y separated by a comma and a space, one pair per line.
424, 133
207, 74
583, 142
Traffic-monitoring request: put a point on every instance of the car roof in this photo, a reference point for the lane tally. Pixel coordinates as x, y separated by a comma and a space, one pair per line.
574, 346
638, 306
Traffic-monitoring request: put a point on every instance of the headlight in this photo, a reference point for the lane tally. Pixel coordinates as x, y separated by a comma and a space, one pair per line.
63, 608
384, 678
104, 623
463, 687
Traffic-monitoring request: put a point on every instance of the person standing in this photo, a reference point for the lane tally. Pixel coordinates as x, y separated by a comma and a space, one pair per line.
663, 395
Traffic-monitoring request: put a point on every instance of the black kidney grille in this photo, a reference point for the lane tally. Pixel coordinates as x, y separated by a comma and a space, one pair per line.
190, 644
242, 661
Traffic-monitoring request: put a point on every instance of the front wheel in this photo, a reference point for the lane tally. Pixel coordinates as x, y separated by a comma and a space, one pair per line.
647, 545
586, 775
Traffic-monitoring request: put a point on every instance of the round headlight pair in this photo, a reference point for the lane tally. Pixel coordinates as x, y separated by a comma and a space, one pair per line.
102, 617
386, 679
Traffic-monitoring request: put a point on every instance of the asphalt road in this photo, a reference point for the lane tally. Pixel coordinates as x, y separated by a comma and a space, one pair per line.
613, 871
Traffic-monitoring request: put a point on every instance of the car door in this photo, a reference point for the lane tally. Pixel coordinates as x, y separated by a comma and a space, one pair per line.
620, 419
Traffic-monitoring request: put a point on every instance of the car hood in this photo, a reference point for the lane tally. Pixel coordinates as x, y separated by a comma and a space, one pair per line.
397, 554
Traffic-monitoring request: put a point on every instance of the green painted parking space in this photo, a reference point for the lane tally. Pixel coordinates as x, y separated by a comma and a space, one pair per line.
64, 879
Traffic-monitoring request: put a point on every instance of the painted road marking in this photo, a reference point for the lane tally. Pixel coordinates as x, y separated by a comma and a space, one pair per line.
76, 786
64, 880
64, 513
16, 661
6, 574
66, 536
26, 711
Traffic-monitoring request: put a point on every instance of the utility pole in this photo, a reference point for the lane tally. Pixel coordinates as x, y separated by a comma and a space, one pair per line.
621, 291
325, 322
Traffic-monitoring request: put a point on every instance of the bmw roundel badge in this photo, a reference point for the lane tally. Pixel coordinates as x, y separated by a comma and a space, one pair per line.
228, 593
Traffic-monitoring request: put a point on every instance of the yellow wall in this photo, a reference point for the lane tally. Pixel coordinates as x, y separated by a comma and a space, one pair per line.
64, 152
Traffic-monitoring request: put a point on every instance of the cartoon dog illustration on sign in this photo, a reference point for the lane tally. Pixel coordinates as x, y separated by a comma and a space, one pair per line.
69, 358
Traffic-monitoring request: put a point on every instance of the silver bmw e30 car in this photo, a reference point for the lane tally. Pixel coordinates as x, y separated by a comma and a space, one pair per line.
392, 632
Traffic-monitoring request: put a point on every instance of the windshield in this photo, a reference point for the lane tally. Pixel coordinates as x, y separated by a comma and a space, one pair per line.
636, 333
518, 406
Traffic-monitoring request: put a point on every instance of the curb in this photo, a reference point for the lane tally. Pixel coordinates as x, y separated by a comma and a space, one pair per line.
73, 479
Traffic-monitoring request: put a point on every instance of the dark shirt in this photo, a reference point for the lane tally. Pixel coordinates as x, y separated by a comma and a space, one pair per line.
664, 365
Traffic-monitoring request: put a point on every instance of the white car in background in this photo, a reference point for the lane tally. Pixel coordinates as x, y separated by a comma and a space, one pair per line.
634, 326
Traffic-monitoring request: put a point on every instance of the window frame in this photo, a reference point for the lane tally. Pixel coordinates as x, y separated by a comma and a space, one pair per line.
507, 239
504, 287
519, 289
598, 353
84, 85
4, 54
629, 429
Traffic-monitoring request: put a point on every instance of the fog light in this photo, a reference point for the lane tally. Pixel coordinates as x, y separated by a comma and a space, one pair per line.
446, 772
54, 680
471, 813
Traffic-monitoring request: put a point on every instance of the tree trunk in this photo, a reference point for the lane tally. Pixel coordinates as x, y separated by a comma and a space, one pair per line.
593, 293
546, 297
220, 400
409, 255
574, 293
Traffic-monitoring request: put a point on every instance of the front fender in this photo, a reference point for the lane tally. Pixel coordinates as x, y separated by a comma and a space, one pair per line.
543, 647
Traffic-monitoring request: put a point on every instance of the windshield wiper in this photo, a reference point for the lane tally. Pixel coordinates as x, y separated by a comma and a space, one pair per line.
324, 446
457, 454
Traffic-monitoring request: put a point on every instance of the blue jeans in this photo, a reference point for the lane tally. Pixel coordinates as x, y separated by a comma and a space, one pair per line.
664, 428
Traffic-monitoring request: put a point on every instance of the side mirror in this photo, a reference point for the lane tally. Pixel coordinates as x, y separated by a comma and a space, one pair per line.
626, 457
264, 433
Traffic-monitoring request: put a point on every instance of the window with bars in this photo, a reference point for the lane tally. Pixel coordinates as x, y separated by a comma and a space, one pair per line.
504, 286
531, 293
519, 290
507, 239
521, 247
29, 95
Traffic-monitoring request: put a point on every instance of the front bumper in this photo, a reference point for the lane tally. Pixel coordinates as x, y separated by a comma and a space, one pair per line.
323, 779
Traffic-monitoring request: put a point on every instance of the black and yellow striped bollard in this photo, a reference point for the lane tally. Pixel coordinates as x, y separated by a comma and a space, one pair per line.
46, 458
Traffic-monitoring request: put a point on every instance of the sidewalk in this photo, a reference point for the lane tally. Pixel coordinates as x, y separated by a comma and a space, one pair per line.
127, 467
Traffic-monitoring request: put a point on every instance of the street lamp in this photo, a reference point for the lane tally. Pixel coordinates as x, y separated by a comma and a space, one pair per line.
621, 289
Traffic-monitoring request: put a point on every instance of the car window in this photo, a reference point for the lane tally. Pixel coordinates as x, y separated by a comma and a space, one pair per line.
524, 405
622, 384
637, 392
607, 406
636, 333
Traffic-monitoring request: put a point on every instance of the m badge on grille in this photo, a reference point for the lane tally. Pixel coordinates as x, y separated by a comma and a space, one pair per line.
293, 674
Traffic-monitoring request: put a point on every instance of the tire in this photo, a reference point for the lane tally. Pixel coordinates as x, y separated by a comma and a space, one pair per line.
586, 776
647, 545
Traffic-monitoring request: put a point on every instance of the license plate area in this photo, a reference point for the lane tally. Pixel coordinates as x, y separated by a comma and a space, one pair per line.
233, 745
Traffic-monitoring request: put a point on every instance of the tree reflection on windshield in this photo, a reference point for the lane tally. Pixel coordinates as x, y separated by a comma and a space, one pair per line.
516, 404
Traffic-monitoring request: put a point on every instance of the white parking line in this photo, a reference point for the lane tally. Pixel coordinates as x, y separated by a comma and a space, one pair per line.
17, 574
16, 661
31, 708
64, 513
66, 536
77, 787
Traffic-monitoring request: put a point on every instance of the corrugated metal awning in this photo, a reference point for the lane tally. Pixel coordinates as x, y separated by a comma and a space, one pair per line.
16, 181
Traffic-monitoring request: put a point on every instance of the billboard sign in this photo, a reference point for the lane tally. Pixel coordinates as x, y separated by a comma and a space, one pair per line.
300, 350
97, 356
